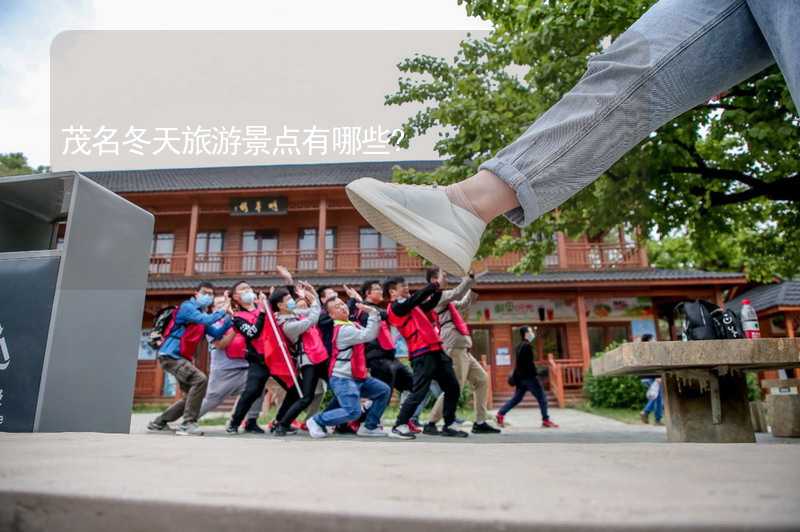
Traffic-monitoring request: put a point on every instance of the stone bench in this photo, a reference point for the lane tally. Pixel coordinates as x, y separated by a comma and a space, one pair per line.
705, 390
783, 410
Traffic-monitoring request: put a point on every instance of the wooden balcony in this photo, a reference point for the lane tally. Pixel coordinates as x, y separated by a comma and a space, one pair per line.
576, 256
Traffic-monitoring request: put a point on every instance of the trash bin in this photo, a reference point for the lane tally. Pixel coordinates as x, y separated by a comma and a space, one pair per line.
71, 307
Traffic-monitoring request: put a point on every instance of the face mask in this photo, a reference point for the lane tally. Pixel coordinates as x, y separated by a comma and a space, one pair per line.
291, 305
205, 300
248, 297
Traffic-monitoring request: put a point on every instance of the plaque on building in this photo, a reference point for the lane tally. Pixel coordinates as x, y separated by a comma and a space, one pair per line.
259, 206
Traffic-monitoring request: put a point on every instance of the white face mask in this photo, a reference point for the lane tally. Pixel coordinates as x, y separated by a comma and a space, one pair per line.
248, 297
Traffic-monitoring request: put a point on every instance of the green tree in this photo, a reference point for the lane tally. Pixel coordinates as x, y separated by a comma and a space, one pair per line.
17, 164
724, 176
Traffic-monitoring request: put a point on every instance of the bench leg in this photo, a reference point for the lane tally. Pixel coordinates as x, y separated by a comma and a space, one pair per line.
707, 407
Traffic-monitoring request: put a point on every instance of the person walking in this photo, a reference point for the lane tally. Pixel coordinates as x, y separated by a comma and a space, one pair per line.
524, 379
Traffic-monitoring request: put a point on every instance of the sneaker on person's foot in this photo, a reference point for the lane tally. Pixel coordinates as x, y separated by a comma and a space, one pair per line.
377, 432
645, 417
484, 428
421, 218
297, 425
155, 426
547, 424
401, 432
252, 427
315, 430
231, 428
430, 429
501, 420
303, 427
413, 427
450, 432
281, 431
658, 423
189, 429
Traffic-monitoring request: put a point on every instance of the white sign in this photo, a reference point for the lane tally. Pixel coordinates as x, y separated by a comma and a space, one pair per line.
502, 358
523, 311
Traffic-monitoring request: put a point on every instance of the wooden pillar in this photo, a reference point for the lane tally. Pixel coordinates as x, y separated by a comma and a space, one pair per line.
193, 217
644, 261
789, 321
583, 330
323, 215
561, 242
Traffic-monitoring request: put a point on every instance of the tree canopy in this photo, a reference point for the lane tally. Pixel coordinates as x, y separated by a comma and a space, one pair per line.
717, 188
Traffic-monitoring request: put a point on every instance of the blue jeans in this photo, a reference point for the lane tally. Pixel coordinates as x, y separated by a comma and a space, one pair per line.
679, 54
655, 405
347, 406
527, 385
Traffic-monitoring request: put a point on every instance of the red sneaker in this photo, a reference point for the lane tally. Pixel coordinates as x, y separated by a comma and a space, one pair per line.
297, 425
413, 427
500, 418
354, 425
303, 426
547, 424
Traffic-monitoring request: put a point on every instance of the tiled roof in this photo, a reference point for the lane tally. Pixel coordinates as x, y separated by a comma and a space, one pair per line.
644, 275
785, 294
267, 176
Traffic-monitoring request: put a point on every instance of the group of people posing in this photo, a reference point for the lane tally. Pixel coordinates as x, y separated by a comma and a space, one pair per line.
307, 339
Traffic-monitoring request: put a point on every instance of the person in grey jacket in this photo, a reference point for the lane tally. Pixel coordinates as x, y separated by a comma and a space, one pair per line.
457, 343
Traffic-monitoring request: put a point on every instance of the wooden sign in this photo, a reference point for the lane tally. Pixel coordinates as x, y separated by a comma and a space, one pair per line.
259, 206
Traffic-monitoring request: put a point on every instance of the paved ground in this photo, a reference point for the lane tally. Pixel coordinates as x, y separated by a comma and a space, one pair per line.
591, 474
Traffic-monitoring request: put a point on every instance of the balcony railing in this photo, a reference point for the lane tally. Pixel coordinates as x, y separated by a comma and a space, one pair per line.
579, 256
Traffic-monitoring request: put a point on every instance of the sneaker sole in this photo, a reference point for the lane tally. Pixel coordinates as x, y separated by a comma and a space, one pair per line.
381, 435
404, 437
397, 225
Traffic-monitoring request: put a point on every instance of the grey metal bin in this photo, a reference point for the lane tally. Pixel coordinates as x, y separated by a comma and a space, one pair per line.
70, 311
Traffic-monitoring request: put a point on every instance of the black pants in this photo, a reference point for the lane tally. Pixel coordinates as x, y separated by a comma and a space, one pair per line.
257, 376
392, 372
532, 385
437, 366
293, 404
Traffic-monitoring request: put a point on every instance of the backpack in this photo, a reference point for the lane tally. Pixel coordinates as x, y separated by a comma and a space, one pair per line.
703, 320
162, 321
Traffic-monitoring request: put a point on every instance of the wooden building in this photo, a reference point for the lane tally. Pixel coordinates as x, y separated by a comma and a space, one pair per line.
226, 224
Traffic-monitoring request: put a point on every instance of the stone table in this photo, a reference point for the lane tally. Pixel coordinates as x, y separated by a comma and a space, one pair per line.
705, 390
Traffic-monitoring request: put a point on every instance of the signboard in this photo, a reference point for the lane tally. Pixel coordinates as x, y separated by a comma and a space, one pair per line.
259, 206
641, 327
28, 286
502, 358
523, 311
622, 308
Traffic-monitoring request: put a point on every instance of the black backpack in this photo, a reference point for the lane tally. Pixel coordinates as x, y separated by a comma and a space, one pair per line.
703, 320
162, 320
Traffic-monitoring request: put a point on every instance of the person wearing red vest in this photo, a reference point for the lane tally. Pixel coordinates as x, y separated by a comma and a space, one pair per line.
408, 313
457, 343
263, 350
381, 352
299, 327
176, 355
348, 376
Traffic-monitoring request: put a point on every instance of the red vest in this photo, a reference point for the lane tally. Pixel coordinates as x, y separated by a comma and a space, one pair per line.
418, 332
267, 344
385, 338
458, 322
358, 358
192, 336
313, 345
238, 346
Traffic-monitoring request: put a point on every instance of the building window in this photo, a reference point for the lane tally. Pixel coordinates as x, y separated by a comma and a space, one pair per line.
161, 250
208, 252
376, 251
605, 334
550, 339
259, 251
307, 249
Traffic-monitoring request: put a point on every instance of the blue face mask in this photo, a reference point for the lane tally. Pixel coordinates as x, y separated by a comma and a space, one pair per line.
248, 297
291, 305
205, 300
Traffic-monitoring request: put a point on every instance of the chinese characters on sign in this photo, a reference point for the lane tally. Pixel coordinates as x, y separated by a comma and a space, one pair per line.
258, 206
251, 140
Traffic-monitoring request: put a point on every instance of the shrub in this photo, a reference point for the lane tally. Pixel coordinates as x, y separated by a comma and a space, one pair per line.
614, 392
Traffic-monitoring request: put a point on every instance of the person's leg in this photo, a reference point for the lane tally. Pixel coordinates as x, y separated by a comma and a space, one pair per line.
175, 410
319, 395
291, 397
379, 392
198, 382
308, 384
221, 384
536, 389
461, 368
777, 20
403, 380
446, 377
519, 393
479, 380
423, 368
679, 54
349, 406
380, 369
257, 376
659, 408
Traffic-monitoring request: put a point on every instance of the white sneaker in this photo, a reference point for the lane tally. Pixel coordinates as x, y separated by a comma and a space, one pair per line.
402, 432
189, 429
376, 432
314, 429
421, 218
